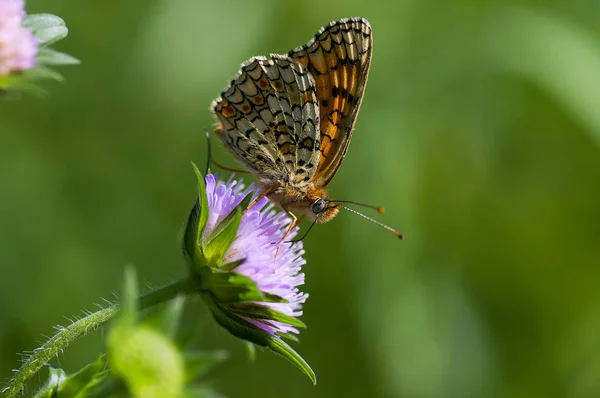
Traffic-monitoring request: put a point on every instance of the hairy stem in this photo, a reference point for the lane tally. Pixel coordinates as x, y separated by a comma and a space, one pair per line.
66, 335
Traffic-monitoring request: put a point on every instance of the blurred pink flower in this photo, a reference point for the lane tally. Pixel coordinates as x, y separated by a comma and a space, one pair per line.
18, 47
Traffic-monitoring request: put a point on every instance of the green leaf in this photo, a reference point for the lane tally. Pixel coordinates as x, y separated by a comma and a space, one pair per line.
77, 384
215, 249
198, 363
55, 378
263, 313
47, 27
196, 224
47, 56
280, 347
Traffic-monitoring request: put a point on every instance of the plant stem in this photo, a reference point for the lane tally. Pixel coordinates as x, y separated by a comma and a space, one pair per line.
66, 335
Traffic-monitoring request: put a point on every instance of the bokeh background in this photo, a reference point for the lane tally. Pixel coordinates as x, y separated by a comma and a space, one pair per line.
479, 131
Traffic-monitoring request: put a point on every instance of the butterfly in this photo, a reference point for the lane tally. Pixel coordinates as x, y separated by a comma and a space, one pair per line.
289, 119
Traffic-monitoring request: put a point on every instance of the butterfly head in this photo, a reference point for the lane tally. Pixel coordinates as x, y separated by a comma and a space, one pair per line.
322, 210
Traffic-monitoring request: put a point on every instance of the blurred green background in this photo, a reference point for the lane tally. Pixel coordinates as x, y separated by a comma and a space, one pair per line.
479, 132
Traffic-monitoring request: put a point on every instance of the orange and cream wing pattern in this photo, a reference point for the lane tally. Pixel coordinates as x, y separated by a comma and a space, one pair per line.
269, 118
338, 58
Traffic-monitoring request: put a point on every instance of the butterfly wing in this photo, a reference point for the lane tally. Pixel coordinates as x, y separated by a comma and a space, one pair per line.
269, 119
338, 57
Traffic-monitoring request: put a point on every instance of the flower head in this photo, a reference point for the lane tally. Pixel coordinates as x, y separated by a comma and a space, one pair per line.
274, 266
247, 275
18, 47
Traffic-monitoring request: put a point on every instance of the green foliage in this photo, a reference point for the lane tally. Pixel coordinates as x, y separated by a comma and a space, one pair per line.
81, 384
144, 358
142, 361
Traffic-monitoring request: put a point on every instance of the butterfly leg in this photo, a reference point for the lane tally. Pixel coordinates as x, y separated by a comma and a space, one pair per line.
266, 192
289, 230
292, 224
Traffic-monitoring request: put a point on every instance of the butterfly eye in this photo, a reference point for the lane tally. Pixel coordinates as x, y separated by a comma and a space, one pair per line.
318, 206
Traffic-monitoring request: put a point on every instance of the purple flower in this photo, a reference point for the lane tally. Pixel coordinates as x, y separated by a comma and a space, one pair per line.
18, 47
274, 266
247, 276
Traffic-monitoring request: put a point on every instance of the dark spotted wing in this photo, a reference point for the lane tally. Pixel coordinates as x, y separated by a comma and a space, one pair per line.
269, 119
338, 57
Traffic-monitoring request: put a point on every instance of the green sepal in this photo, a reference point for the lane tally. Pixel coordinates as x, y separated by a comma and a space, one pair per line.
198, 363
246, 331
190, 247
280, 347
55, 378
217, 246
231, 287
234, 324
46, 56
46, 27
224, 234
232, 265
272, 298
289, 337
77, 385
223, 224
196, 223
262, 313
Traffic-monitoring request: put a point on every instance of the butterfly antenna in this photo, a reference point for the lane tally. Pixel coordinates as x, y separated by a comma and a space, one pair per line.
398, 234
303, 236
209, 150
378, 209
